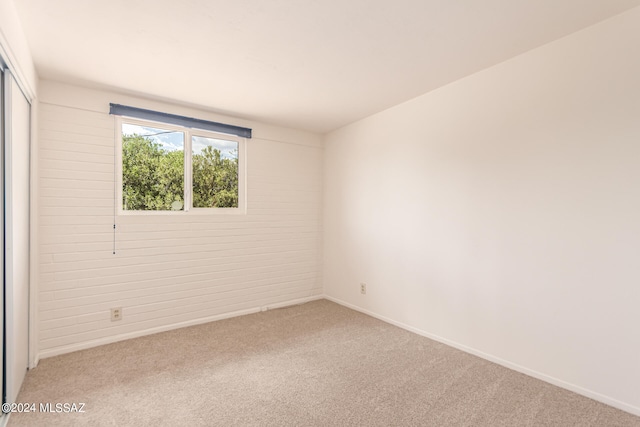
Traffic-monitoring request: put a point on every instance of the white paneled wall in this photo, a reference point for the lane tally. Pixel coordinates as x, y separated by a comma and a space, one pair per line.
168, 270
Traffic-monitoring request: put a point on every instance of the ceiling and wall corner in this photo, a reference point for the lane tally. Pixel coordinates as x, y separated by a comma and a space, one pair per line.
499, 213
310, 65
15, 49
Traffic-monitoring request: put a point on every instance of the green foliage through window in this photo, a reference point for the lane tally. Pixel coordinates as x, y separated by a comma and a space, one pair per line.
215, 179
153, 176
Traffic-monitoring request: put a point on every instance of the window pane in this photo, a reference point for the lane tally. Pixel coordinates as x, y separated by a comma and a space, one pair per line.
152, 168
215, 173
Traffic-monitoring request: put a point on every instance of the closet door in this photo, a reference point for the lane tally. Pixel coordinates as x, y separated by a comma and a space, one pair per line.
16, 187
2, 115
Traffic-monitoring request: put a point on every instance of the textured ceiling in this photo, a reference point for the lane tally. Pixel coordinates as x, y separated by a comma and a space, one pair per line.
314, 65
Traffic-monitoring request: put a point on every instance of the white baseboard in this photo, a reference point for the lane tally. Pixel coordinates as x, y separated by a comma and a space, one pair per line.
33, 363
56, 351
292, 302
551, 380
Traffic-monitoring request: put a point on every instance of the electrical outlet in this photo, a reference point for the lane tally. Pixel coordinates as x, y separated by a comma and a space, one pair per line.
116, 314
363, 288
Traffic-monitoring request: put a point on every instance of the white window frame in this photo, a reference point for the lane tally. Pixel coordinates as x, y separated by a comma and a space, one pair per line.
188, 173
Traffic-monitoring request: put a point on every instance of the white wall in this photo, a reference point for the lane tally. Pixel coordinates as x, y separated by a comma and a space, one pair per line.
500, 213
14, 48
169, 270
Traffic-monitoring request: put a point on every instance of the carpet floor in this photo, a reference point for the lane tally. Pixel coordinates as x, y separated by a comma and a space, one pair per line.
316, 364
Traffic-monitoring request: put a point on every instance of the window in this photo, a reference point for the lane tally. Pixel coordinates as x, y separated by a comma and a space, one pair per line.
165, 167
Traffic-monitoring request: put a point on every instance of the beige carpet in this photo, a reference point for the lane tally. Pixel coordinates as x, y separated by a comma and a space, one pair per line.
317, 364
